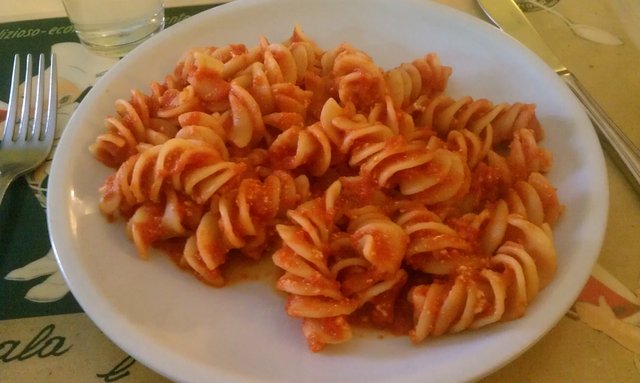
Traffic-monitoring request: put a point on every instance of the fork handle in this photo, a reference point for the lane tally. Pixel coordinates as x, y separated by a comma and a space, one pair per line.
5, 181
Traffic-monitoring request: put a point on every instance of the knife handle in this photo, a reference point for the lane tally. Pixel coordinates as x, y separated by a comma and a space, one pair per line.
623, 152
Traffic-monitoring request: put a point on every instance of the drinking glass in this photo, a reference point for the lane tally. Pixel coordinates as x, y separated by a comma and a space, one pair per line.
114, 27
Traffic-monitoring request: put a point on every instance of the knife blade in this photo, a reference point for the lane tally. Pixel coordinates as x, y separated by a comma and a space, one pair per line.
507, 16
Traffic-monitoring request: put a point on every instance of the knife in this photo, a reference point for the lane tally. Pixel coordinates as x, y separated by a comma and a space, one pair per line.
507, 16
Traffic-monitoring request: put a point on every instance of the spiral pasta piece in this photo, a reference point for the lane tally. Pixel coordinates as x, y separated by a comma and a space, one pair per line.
280, 65
526, 156
306, 53
433, 176
328, 278
499, 292
425, 77
436, 247
133, 124
473, 147
399, 120
248, 126
444, 114
152, 223
281, 103
373, 272
452, 306
174, 102
291, 104
204, 127
209, 72
380, 240
192, 167
241, 218
204, 73
234, 58
535, 201
358, 80
297, 147
312, 292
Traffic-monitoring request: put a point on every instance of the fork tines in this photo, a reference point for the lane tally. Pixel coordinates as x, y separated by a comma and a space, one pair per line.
39, 128
23, 150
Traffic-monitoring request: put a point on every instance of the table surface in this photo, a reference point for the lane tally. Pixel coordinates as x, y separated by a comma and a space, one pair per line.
44, 336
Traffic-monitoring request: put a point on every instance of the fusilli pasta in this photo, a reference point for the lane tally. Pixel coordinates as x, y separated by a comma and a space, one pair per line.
380, 198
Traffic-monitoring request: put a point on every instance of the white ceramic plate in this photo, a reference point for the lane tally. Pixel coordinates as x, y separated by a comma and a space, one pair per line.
187, 331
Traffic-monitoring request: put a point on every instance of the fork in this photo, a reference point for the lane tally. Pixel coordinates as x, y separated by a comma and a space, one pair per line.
28, 138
